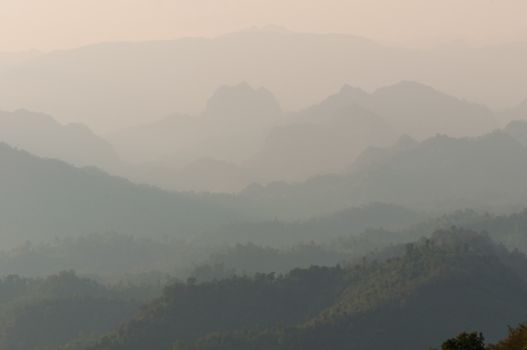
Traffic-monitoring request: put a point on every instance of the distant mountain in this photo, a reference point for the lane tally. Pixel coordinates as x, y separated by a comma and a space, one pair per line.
42, 198
41, 135
443, 171
114, 85
438, 174
327, 137
231, 128
421, 111
243, 136
324, 229
322, 139
241, 103
518, 112
518, 130
201, 152
9, 60
201, 175
455, 281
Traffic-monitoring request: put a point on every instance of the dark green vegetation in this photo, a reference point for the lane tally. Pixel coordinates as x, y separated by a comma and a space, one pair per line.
47, 313
270, 246
465, 341
118, 256
516, 340
317, 276
273, 246
250, 295
438, 287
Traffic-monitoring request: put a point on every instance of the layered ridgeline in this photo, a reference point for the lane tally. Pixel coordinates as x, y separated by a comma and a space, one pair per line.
518, 112
231, 128
43, 198
439, 287
437, 174
91, 83
268, 246
43, 136
518, 130
202, 152
249, 248
243, 136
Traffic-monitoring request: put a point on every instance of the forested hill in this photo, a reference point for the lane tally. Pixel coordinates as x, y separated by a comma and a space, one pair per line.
439, 174
438, 287
47, 313
44, 198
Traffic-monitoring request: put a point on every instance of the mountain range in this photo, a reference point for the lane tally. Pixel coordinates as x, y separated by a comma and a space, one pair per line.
45, 198
438, 174
113, 85
244, 137
43, 136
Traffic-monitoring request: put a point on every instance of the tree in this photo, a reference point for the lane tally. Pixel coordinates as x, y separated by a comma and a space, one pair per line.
465, 341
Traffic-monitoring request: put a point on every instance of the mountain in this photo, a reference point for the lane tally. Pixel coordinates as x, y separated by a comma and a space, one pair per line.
244, 137
231, 128
43, 198
518, 112
41, 135
518, 130
421, 111
349, 222
454, 281
439, 174
202, 152
442, 171
241, 103
322, 139
155, 78
75, 144
328, 137
251, 247
200, 175
9, 60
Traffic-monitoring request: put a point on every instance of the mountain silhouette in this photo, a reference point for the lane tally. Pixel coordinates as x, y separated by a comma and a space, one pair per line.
440, 174
114, 85
44, 198
40, 134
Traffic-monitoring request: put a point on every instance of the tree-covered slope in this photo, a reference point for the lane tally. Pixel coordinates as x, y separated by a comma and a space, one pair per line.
439, 174
43, 198
457, 280
47, 313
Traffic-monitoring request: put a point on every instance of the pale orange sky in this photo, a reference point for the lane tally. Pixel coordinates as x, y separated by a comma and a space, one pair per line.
55, 24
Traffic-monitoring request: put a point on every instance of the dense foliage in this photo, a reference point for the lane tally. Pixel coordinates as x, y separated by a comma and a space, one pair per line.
47, 313
517, 340
439, 286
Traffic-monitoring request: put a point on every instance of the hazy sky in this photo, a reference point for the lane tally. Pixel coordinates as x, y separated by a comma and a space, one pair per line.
51, 24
